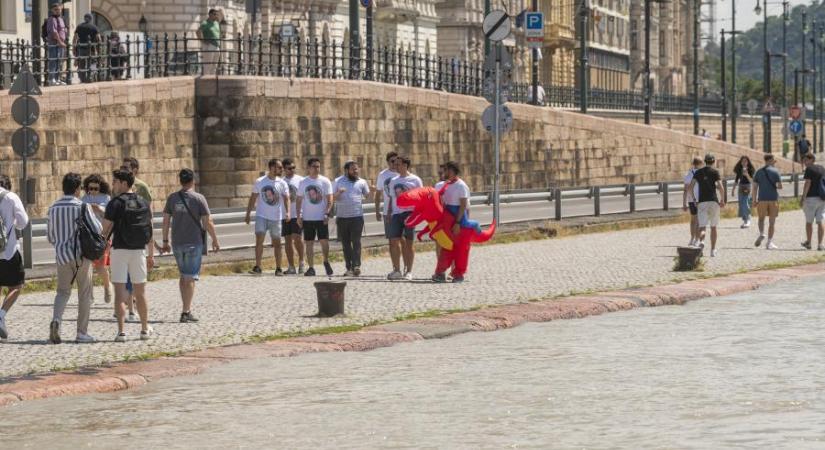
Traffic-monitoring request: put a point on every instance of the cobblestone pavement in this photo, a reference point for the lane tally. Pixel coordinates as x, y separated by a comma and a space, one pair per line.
232, 308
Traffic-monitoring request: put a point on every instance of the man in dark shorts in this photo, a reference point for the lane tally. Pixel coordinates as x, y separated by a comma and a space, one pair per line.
401, 248
690, 197
12, 276
313, 208
290, 231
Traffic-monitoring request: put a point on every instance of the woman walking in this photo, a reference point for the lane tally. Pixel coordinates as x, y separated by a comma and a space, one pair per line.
744, 177
97, 197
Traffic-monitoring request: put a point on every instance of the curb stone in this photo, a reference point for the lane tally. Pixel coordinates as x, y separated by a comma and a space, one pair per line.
130, 375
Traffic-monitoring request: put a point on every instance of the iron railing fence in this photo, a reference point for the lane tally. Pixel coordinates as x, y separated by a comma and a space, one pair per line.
170, 55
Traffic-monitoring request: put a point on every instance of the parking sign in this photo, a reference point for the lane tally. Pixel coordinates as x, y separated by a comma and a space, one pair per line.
534, 24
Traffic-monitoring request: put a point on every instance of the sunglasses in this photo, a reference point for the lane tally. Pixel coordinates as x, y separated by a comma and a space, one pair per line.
93, 188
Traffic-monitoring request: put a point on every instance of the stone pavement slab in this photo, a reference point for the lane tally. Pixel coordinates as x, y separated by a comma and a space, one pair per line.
234, 309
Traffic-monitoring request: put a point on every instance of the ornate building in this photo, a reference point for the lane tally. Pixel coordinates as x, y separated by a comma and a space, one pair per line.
609, 52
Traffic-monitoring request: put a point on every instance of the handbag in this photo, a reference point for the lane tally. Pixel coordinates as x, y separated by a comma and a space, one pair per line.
197, 222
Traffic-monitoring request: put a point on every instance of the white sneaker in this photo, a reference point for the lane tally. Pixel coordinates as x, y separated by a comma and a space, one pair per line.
771, 246
759, 240
408, 276
701, 244
131, 318
395, 275
714, 253
145, 335
85, 339
820, 248
121, 337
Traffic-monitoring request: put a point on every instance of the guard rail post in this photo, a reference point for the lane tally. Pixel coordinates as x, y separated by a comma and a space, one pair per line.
597, 195
557, 202
795, 185
665, 196
631, 192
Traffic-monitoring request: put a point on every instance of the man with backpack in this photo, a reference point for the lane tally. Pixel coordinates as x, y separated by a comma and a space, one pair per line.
710, 202
187, 214
54, 34
813, 200
129, 220
71, 222
12, 276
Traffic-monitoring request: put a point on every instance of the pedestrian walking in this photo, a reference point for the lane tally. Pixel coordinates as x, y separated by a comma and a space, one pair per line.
766, 185
744, 177
690, 199
97, 197
85, 42
382, 192
349, 193
72, 267
711, 201
804, 147
398, 229
291, 232
209, 33
314, 207
118, 57
187, 214
128, 219
456, 197
55, 38
142, 190
813, 200
269, 193
13, 218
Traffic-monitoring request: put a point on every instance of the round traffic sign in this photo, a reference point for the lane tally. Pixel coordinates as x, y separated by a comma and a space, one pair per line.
25, 111
366, 3
752, 104
795, 111
25, 142
496, 25
505, 119
795, 127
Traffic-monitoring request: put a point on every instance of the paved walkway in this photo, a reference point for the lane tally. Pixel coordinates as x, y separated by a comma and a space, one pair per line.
233, 308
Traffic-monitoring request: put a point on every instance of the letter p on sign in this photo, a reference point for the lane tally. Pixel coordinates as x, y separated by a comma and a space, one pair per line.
535, 24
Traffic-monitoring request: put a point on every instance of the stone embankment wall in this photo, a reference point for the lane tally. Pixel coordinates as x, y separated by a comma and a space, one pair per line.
227, 129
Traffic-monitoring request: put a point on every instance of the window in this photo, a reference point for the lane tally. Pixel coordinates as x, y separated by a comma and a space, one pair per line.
102, 23
662, 45
634, 35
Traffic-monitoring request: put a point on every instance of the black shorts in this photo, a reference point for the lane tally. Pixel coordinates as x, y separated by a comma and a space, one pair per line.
693, 209
313, 228
11, 271
290, 227
398, 227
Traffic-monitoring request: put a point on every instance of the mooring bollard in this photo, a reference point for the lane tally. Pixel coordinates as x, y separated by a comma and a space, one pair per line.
688, 258
330, 297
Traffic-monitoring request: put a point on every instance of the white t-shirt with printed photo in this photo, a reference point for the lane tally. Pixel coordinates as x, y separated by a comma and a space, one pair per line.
688, 178
314, 192
271, 194
398, 186
383, 183
292, 184
455, 192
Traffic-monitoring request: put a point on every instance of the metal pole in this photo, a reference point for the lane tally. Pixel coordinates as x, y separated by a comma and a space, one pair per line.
696, 32
534, 53
785, 18
354, 38
647, 62
822, 89
27, 232
370, 61
584, 79
497, 129
804, 31
37, 19
724, 89
733, 104
766, 115
487, 9
814, 109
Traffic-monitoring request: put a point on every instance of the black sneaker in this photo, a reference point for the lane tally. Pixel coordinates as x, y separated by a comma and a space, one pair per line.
807, 244
54, 332
188, 317
255, 270
439, 278
458, 279
310, 272
328, 268
279, 272
356, 272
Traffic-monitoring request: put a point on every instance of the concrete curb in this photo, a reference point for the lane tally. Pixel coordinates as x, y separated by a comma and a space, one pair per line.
129, 375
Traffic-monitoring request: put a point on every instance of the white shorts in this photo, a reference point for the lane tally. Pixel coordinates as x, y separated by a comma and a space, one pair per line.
814, 208
708, 214
128, 264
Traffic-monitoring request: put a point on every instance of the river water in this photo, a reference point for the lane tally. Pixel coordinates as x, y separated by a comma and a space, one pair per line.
745, 371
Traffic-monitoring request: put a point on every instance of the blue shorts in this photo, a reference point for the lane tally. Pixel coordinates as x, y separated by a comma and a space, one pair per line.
264, 226
189, 259
398, 228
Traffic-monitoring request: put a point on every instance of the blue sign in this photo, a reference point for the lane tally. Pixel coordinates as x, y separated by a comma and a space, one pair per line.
535, 21
366, 3
795, 127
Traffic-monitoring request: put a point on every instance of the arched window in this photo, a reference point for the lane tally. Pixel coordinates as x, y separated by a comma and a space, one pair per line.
104, 26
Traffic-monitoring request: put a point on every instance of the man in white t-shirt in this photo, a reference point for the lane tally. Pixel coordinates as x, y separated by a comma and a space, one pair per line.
382, 190
290, 231
349, 193
313, 207
397, 228
12, 274
691, 199
268, 194
455, 194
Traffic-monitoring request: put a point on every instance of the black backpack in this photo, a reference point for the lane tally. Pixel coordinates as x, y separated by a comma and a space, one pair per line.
92, 244
44, 29
135, 226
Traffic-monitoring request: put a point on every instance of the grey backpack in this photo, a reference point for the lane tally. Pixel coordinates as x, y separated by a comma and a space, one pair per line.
4, 235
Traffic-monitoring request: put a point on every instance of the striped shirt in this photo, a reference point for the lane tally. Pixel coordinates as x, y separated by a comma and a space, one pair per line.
349, 203
61, 228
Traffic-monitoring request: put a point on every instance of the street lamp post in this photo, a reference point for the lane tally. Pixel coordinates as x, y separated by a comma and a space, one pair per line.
648, 85
814, 108
534, 54
786, 18
143, 26
822, 87
733, 72
696, 44
766, 79
724, 88
354, 39
804, 69
584, 78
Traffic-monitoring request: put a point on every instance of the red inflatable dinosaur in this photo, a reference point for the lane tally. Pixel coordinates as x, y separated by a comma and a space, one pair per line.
455, 252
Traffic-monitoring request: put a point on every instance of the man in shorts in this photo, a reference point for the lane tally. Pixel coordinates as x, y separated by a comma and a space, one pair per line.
382, 190
767, 181
813, 200
12, 274
187, 214
689, 197
401, 248
142, 190
268, 193
128, 220
711, 201
290, 230
314, 207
